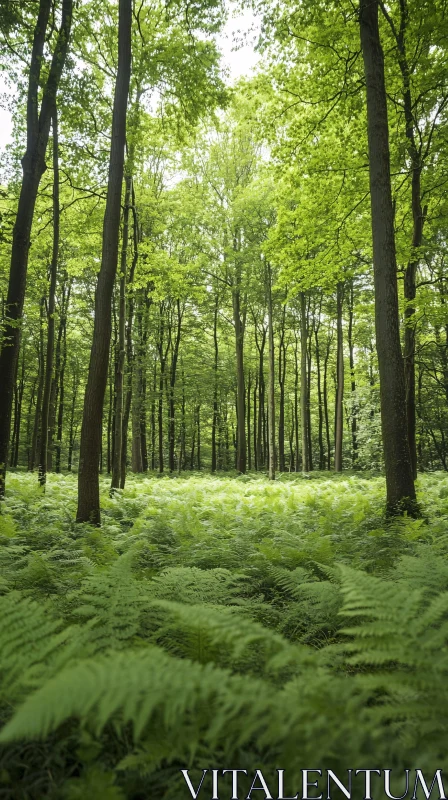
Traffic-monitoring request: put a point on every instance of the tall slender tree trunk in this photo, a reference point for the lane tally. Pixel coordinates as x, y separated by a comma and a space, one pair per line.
255, 415
416, 158
33, 165
325, 393
198, 420
35, 444
129, 347
249, 429
339, 409
51, 309
319, 400
91, 434
271, 396
172, 385
215, 382
399, 477
281, 380
18, 414
354, 408
60, 367
241, 391
121, 344
296, 403
261, 433
304, 382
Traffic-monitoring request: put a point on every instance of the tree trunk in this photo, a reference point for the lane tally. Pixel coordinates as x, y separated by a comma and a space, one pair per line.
241, 392
296, 404
91, 435
33, 164
271, 396
51, 310
121, 344
304, 382
198, 419
339, 409
171, 406
71, 431
399, 477
416, 159
281, 380
34, 451
261, 433
215, 382
326, 415
354, 409
249, 428
255, 422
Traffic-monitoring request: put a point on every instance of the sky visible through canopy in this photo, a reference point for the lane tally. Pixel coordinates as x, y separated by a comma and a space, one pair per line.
239, 61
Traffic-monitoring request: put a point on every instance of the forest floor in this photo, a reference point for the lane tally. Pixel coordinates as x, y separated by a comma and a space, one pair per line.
227, 599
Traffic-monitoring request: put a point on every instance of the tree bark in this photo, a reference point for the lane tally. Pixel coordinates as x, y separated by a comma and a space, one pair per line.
121, 344
215, 382
354, 408
33, 164
304, 382
296, 403
339, 409
418, 218
241, 391
91, 433
399, 477
34, 451
42, 474
281, 381
271, 396
173, 372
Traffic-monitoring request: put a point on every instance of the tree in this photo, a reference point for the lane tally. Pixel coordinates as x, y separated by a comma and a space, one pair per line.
399, 477
88, 481
33, 165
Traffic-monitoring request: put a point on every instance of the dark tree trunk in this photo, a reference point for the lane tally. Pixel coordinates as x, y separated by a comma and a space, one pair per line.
91, 435
241, 391
325, 393
50, 310
319, 399
34, 450
171, 405
29, 421
399, 477
304, 383
60, 366
121, 345
129, 348
261, 431
339, 408
33, 164
18, 398
198, 420
281, 380
153, 419
271, 396
71, 431
354, 408
416, 159
296, 403
249, 428
255, 422
215, 382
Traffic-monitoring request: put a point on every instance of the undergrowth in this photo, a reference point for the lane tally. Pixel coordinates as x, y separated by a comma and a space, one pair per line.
218, 622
